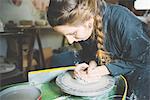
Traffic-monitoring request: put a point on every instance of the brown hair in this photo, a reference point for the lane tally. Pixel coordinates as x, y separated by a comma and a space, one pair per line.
102, 55
74, 12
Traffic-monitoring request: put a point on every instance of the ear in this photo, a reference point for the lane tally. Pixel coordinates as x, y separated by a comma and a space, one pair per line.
90, 22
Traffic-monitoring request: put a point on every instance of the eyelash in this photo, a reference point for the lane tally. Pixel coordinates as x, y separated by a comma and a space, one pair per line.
74, 33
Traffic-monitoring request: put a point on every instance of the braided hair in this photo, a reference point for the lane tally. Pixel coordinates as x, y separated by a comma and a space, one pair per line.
102, 55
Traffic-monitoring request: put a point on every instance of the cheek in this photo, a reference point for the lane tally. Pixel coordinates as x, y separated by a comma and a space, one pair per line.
89, 32
84, 33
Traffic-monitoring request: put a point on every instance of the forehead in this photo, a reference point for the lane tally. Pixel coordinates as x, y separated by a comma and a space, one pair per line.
65, 28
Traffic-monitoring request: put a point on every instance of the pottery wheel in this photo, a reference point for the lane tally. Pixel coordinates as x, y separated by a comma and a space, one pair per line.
72, 86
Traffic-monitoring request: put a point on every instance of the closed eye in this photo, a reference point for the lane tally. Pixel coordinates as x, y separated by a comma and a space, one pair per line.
74, 33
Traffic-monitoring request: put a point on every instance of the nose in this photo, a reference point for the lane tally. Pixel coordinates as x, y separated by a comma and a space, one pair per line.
70, 39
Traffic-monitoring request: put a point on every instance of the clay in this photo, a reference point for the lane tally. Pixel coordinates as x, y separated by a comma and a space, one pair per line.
70, 85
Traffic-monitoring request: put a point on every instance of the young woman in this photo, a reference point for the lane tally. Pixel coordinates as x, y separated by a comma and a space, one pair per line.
123, 44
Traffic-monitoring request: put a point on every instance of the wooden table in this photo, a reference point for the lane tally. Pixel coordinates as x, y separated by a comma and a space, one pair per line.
31, 31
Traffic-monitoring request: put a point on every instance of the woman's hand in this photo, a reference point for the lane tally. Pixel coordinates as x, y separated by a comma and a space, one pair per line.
90, 72
80, 70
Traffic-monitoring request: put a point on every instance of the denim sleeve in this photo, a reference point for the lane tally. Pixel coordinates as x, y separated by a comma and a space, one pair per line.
128, 42
119, 67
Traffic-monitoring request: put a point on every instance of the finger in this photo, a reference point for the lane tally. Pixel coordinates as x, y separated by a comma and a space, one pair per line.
75, 75
96, 72
81, 67
83, 76
92, 66
80, 75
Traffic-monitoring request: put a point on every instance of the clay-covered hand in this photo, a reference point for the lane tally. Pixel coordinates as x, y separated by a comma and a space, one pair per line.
85, 72
90, 73
80, 70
